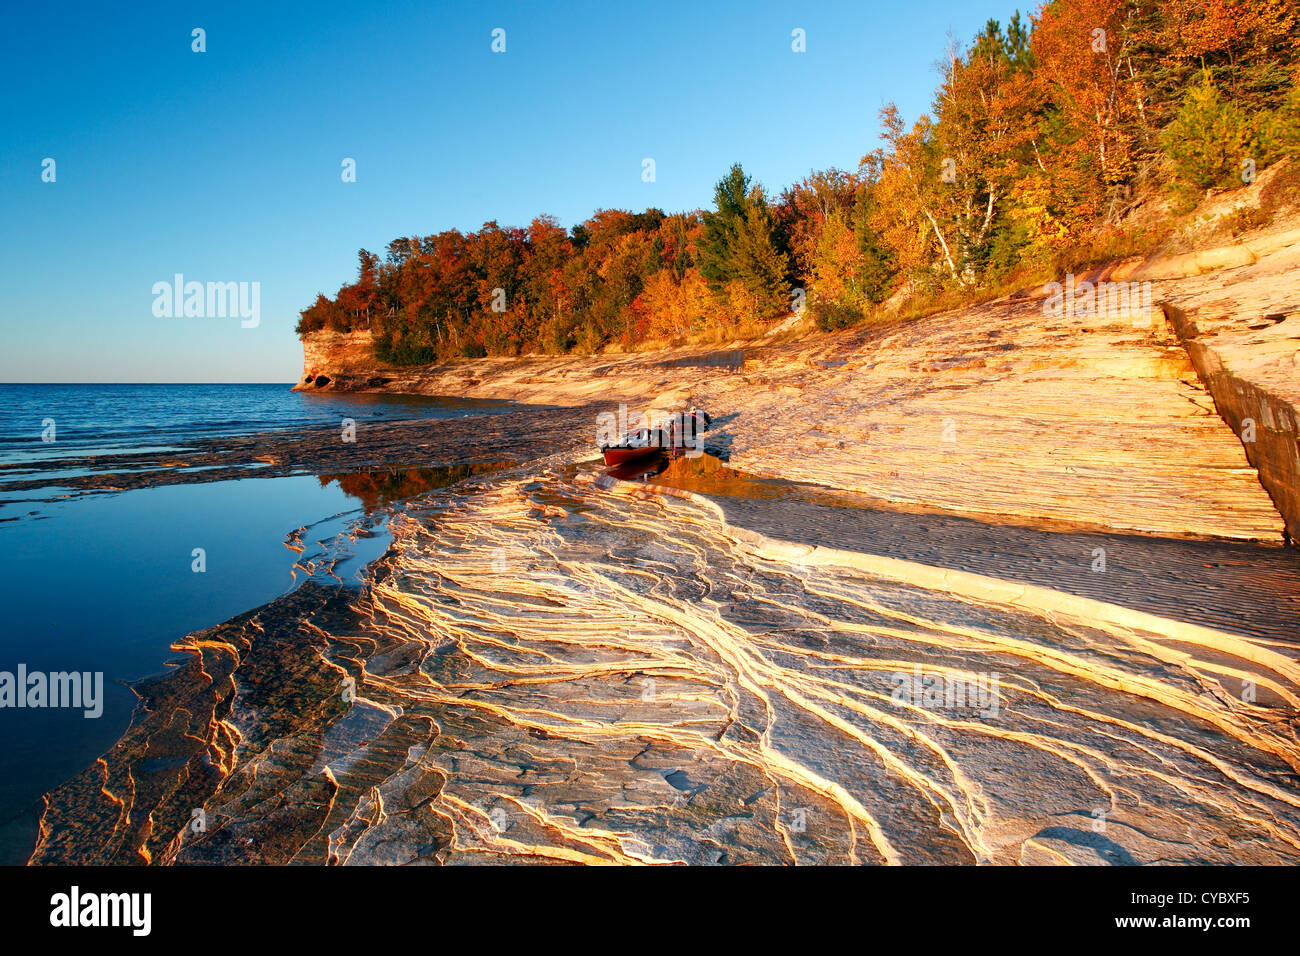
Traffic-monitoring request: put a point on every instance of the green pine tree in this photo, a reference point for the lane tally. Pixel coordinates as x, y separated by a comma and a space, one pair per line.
879, 268
742, 241
1209, 138
1280, 130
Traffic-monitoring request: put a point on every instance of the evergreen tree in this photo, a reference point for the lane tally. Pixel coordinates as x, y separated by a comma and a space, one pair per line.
722, 226
1209, 138
742, 243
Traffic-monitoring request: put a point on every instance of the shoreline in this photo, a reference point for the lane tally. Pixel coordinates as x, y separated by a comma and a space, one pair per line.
312, 638
979, 416
392, 447
934, 493
1181, 420
502, 437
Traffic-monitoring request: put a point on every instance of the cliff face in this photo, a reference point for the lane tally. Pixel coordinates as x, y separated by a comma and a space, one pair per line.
341, 360
996, 410
1241, 328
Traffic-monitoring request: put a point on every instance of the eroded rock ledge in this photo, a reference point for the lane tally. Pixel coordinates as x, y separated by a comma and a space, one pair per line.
994, 411
1241, 329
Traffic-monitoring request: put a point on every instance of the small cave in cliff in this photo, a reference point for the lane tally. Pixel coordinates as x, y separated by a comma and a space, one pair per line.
322, 381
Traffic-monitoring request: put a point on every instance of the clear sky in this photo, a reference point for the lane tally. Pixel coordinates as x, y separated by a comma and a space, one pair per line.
225, 165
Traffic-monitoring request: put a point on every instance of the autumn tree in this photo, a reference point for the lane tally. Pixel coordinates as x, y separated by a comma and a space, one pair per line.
1042, 136
985, 130
802, 211
1248, 45
1084, 53
907, 215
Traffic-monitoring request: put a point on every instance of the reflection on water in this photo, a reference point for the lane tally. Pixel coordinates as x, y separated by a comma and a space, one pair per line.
543, 671
380, 487
107, 583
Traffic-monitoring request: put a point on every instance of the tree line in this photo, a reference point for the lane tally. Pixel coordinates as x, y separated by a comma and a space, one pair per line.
1043, 135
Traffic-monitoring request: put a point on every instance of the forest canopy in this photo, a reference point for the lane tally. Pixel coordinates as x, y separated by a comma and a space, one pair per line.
1042, 133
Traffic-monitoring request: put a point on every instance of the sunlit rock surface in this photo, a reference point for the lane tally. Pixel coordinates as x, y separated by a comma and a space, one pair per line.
999, 410
341, 360
1250, 355
996, 410
550, 670
1026, 606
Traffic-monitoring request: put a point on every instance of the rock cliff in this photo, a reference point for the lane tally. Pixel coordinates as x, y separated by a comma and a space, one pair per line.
1002, 410
341, 360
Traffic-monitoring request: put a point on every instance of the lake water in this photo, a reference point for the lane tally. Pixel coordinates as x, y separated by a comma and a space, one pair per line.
93, 418
106, 582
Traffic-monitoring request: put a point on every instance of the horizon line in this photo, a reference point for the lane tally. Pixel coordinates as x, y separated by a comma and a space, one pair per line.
294, 382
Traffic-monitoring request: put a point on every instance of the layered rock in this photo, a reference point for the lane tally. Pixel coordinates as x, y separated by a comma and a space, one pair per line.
539, 671
1241, 328
998, 411
341, 360
1001, 412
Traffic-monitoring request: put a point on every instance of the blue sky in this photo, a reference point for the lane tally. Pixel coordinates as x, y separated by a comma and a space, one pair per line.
225, 165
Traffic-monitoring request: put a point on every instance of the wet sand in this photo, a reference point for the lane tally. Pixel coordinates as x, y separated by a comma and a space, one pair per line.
1244, 587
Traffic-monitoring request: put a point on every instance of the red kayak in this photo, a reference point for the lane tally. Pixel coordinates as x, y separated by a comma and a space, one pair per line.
621, 454
635, 446
641, 468
643, 444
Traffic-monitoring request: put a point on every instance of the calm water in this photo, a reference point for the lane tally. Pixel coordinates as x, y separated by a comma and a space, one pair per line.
90, 418
106, 582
